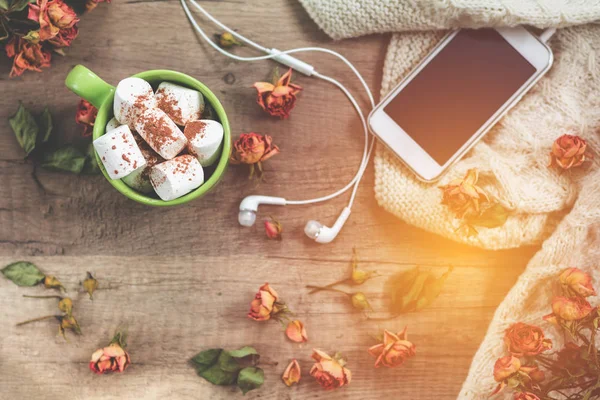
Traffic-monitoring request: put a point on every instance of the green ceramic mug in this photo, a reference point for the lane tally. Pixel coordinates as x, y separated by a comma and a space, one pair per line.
88, 85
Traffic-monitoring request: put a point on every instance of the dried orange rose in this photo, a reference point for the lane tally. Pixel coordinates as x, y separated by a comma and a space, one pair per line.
253, 149
568, 151
27, 56
568, 309
329, 372
505, 368
273, 229
394, 350
52, 15
292, 373
578, 281
463, 196
280, 98
526, 340
296, 332
265, 304
110, 359
525, 396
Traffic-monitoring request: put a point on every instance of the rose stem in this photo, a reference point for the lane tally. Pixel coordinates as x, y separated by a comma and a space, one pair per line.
43, 297
329, 289
328, 286
36, 319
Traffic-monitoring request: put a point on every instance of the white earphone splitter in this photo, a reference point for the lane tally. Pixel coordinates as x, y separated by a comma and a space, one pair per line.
249, 206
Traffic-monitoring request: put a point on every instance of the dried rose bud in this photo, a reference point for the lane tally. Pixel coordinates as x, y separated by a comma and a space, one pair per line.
568, 151
359, 276
52, 283
226, 40
266, 304
292, 373
68, 322
273, 229
90, 284
296, 332
360, 302
66, 305
253, 149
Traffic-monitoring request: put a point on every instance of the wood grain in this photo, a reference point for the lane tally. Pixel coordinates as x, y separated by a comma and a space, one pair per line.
181, 279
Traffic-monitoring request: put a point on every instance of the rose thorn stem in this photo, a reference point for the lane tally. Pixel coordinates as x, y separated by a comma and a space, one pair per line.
35, 320
328, 289
328, 286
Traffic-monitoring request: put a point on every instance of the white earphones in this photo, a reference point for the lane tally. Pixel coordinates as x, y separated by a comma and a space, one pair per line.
249, 206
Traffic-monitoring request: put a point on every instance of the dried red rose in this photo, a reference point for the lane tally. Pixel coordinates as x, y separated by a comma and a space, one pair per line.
280, 98
525, 396
568, 309
568, 151
52, 15
86, 116
526, 340
463, 196
27, 56
64, 37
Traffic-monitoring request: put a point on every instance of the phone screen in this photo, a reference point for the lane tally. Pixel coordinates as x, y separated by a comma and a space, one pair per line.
461, 88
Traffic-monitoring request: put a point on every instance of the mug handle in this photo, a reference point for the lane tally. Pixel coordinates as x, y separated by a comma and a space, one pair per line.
88, 85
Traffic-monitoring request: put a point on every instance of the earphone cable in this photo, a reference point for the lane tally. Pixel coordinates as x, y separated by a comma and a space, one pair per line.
270, 55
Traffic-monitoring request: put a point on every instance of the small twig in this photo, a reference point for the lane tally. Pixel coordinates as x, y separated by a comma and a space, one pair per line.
328, 289
43, 297
36, 319
329, 286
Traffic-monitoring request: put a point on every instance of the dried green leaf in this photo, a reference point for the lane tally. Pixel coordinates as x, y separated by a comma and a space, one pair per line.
23, 273
244, 352
46, 125
250, 378
217, 376
493, 216
206, 359
25, 128
19, 5
227, 363
65, 159
91, 166
432, 289
4, 5
398, 285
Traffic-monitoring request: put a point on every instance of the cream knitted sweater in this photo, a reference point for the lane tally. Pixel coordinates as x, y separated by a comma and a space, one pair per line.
563, 210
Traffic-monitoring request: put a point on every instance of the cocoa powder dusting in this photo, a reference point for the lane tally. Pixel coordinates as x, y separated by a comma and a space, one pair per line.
167, 103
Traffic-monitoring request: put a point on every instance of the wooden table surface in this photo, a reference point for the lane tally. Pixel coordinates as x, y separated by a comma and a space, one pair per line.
181, 279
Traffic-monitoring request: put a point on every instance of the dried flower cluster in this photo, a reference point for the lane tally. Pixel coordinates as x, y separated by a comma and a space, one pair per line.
535, 374
34, 29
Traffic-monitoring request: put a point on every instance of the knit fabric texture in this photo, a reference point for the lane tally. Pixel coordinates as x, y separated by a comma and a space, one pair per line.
562, 209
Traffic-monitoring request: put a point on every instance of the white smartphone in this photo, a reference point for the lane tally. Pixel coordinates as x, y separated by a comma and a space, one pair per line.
456, 94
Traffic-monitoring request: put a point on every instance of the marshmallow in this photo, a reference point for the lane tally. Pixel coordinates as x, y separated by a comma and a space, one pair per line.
119, 153
140, 178
176, 177
132, 97
161, 133
112, 124
204, 140
181, 104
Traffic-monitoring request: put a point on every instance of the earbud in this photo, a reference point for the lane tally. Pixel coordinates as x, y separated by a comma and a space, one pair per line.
249, 207
324, 234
